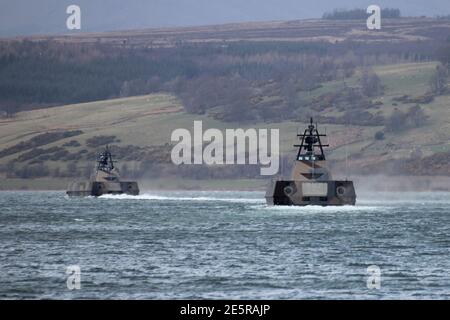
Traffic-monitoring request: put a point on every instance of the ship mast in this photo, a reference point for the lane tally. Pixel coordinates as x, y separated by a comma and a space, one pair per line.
310, 139
105, 162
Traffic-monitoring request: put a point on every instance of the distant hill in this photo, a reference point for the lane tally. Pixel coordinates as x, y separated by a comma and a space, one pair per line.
23, 17
278, 57
383, 96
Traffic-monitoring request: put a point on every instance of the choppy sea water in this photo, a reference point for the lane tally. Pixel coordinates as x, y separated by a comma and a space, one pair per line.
223, 245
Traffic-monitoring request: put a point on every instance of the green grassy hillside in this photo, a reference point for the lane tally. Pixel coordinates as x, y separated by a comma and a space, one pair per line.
147, 121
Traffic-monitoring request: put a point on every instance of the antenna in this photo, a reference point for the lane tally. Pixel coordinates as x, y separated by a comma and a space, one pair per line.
346, 140
346, 147
346, 163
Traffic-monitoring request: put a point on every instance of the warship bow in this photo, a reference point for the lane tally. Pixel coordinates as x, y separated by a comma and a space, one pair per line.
104, 180
311, 182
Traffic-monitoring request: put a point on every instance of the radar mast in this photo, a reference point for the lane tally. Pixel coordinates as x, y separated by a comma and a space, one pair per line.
310, 141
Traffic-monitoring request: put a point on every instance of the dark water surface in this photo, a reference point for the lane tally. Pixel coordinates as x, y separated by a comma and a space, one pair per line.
226, 245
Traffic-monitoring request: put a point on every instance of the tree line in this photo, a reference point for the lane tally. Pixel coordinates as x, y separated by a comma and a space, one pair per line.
242, 80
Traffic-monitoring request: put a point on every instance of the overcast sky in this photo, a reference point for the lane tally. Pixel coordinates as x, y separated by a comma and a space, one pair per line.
25, 17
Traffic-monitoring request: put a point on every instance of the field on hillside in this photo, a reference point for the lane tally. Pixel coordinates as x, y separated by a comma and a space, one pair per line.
148, 121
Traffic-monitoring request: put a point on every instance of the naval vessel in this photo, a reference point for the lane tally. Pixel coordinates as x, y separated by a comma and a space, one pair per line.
104, 180
311, 182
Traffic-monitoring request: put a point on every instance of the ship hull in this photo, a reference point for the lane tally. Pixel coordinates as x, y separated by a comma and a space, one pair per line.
304, 193
97, 189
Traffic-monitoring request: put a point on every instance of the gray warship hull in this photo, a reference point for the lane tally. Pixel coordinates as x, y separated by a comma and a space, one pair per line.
301, 193
97, 189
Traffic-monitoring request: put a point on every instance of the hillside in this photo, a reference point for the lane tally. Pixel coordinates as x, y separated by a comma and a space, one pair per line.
205, 67
394, 30
382, 96
140, 128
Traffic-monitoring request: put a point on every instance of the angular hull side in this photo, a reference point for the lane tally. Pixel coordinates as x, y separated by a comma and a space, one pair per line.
96, 189
130, 187
303, 193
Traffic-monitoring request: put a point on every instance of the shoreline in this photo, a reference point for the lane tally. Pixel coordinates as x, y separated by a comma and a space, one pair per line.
363, 184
